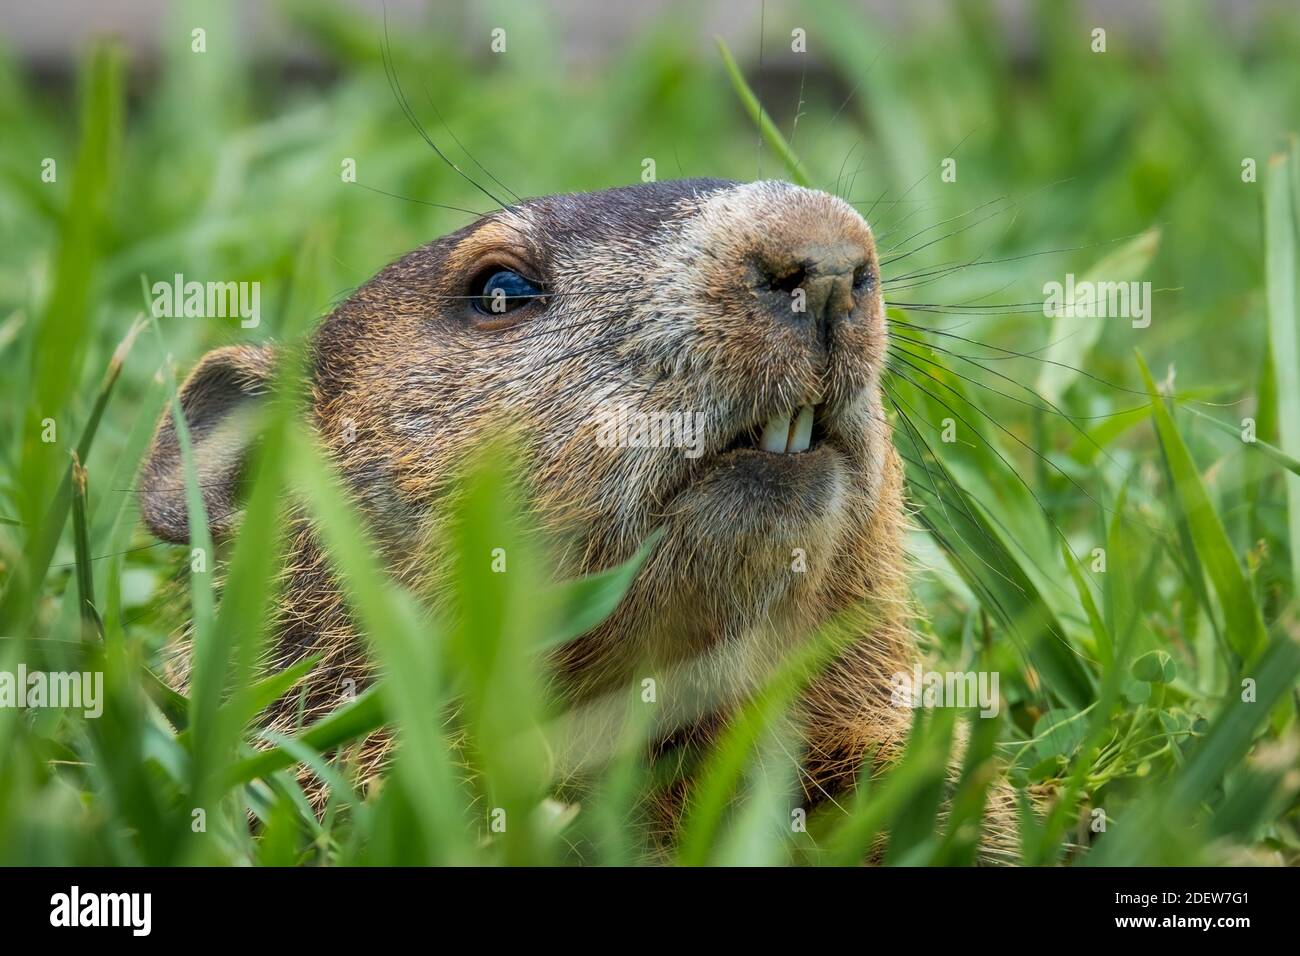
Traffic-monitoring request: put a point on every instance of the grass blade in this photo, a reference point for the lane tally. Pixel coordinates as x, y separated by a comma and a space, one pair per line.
16, 604
90, 622
583, 604
1071, 337
1281, 252
726, 763
1272, 451
60, 339
350, 722
407, 644
1243, 624
760, 118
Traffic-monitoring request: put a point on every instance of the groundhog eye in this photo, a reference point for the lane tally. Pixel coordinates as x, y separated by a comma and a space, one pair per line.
504, 291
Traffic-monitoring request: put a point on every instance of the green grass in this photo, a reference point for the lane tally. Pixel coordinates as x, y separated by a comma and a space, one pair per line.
1160, 691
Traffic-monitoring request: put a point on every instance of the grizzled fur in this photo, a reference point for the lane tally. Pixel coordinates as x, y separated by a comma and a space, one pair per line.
664, 297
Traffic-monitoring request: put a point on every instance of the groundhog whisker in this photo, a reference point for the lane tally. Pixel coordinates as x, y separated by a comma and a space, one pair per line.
922, 206
971, 303
942, 222
422, 202
1014, 199
902, 350
899, 336
932, 489
843, 163
456, 139
895, 333
892, 202
970, 308
1053, 408
1050, 406
990, 597
1012, 353
915, 435
1072, 419
1060, 533
954, 555
867, 215
394, 83
1013, 206
895, 203
113, 554
901, 407
941, 271
978, 301
890, 260
853, 180
1028, 447
923, 177
1051, 582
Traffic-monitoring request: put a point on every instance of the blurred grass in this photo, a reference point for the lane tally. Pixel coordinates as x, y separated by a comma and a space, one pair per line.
1125, 688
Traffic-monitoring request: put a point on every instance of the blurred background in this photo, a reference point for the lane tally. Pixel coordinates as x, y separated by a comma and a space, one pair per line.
585, 30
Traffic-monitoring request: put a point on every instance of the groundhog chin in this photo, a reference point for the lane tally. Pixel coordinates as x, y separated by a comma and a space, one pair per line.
748, 542
755, 513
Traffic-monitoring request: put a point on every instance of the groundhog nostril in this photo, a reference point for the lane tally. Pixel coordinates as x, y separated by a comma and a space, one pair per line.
807, 298
789, 280
813, 286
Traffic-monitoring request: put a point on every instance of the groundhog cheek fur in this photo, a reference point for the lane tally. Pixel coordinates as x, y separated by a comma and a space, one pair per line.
662, 298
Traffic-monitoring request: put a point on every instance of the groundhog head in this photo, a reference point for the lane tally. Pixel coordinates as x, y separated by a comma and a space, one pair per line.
697, 356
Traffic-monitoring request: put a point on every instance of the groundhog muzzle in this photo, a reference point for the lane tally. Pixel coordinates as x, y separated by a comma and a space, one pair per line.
751, 311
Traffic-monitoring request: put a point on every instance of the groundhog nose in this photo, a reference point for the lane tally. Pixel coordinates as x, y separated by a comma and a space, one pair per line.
812, 284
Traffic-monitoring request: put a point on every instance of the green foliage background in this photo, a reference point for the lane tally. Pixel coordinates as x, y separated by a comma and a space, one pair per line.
1123, 686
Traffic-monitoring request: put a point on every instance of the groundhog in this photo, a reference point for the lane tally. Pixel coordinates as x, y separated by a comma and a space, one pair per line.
754, 308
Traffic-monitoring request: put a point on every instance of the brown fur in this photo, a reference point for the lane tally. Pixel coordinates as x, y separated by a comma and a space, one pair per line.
660, 298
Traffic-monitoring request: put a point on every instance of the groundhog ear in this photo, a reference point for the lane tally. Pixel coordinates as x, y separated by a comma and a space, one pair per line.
218, 399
